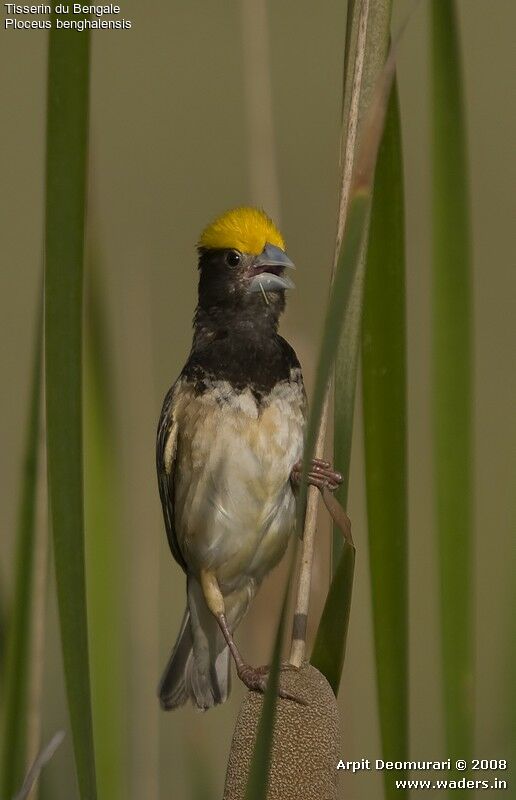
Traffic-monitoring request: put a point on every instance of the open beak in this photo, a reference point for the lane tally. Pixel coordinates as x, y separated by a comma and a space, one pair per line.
267, 270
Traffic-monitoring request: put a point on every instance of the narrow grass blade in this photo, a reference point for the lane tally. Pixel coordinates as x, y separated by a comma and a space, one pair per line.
330, 643
384, 404
337, 306
452, 378
260, 764
42, 759
67, 125
329, 647
103, 548
3, 640
19, 629
346, 364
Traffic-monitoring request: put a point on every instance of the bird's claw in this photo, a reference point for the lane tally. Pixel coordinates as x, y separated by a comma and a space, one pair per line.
321, 474
255, 678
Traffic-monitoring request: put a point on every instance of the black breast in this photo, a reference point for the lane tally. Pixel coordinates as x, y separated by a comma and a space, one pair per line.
244, 359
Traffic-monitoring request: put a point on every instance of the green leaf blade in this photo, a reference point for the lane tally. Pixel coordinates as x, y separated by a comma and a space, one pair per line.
329, 650
330, 643
19, 632
260, 764
384, 406
105, 585
452, 378
67, 127
338, 305
342, 334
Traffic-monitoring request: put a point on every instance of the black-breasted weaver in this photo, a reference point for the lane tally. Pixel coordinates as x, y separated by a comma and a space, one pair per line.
229, 444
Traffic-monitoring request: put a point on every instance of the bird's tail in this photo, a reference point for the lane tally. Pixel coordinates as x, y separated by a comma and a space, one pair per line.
199, 667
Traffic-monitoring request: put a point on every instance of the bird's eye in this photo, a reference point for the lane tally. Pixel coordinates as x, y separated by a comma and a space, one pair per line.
233, 258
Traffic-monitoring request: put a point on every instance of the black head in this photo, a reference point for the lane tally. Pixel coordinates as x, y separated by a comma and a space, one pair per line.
243, 284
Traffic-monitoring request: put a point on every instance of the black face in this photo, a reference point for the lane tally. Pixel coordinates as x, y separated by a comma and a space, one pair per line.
226, 280
235, 323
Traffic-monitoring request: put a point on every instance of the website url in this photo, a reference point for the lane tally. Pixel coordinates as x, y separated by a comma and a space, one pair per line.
461, 783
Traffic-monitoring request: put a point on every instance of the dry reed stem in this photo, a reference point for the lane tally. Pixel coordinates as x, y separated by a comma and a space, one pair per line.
263, 173
349, 139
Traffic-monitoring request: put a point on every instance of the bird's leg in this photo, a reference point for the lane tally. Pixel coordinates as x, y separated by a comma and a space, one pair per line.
320, 474
253, 677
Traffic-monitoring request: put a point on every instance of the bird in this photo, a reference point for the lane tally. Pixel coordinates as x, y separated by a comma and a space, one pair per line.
229, 451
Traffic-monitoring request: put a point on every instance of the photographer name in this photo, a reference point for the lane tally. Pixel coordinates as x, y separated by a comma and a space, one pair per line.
379, 764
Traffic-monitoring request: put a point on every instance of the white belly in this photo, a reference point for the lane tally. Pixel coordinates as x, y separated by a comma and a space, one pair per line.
234, 505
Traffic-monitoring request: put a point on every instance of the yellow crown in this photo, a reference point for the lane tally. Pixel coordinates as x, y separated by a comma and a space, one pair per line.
245, 229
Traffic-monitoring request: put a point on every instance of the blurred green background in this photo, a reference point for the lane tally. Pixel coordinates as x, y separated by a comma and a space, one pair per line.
172, 134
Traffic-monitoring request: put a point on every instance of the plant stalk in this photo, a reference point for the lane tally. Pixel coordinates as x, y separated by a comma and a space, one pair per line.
348, 146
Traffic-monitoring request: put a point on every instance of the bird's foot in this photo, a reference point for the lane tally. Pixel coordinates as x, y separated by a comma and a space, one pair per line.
255, 678
320, 474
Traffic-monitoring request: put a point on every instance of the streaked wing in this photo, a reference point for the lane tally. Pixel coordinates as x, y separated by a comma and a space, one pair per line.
166, 447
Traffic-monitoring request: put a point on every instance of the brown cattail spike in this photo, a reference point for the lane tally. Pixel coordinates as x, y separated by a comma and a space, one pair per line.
305, 743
